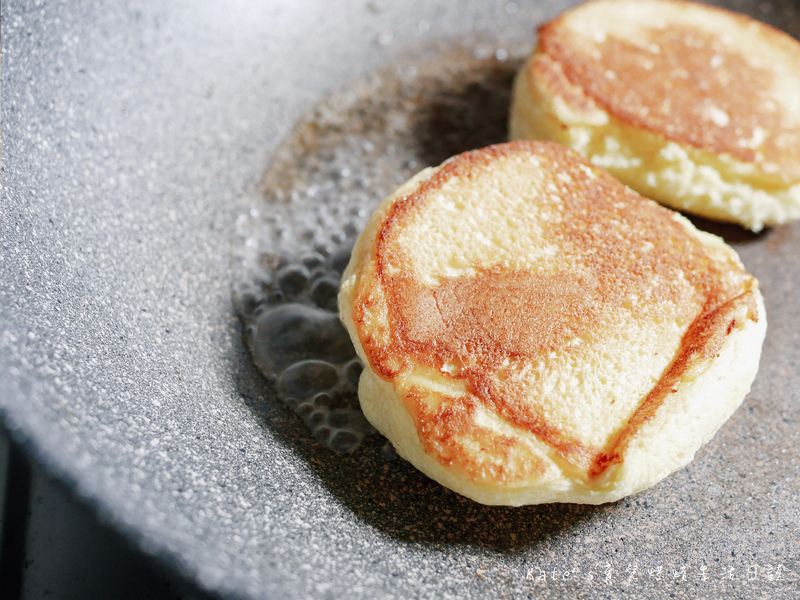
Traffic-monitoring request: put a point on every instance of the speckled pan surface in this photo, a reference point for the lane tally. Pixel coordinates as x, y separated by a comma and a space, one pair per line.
133, 135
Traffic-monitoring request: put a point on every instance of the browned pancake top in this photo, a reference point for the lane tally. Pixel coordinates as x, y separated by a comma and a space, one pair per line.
688, 85
613, 245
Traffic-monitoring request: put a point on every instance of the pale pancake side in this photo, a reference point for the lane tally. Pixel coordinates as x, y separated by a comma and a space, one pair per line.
692, 105
530, 317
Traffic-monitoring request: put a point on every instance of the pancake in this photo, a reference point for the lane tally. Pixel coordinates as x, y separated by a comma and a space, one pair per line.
692, 105
534, 331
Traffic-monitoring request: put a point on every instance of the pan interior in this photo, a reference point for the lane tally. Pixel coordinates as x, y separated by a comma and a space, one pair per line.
134, 138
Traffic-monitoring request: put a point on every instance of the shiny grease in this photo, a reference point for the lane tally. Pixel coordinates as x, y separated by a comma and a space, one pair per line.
340, 160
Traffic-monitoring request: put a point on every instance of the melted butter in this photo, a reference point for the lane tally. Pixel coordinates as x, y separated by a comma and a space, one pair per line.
339, 161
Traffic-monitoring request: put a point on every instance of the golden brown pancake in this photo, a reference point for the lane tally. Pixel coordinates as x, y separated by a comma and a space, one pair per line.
692, 105
534, 331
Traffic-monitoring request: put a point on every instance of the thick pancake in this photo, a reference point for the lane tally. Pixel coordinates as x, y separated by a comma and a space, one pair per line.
692, 105
534, 331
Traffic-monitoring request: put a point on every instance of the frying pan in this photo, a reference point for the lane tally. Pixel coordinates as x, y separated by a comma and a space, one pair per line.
134, 135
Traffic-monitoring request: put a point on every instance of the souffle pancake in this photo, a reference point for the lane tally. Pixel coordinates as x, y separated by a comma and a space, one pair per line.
692, 105
534, 331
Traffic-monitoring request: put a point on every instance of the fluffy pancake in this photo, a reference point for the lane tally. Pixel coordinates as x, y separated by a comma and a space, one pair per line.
534, 331
694, 106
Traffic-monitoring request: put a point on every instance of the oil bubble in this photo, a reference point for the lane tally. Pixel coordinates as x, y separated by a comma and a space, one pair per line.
294, 241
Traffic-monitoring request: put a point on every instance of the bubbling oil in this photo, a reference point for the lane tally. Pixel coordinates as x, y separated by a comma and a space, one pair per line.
341, 159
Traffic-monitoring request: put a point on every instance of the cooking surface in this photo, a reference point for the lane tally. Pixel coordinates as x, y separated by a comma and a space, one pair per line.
56, 548
133, 137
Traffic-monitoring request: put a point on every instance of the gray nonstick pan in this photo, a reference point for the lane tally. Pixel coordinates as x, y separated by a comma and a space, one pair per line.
172, 172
